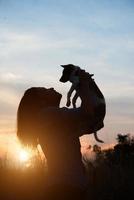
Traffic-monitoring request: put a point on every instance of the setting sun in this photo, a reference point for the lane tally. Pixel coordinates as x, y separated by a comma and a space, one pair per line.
24, 156
16, 154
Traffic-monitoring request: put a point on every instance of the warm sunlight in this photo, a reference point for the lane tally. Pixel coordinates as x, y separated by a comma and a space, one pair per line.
16, 154
24, 155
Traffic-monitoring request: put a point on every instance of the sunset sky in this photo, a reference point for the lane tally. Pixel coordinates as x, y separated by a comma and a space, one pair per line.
36, 36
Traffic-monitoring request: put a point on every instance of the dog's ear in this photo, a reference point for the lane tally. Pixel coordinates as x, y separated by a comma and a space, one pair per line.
68, 65
63, 66
91, 75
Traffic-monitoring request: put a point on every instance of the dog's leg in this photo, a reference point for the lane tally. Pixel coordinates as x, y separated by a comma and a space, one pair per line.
75, 99
69, 95
97, 139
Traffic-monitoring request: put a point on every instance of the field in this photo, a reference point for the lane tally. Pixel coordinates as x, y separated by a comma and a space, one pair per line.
111, 175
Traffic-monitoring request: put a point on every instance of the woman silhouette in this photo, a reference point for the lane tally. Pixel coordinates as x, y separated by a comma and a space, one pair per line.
40, 119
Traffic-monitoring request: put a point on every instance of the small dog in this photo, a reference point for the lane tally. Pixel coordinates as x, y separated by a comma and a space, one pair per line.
71, 73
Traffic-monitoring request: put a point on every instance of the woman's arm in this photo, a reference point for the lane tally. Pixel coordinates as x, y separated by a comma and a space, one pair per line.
77, 120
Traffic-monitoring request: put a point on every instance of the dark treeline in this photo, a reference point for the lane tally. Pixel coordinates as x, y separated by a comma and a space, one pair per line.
110, 176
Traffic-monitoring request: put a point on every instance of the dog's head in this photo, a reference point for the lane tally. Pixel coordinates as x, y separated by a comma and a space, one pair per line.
67, 71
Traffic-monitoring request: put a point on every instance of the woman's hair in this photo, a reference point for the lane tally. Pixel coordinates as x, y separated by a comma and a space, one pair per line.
28, 114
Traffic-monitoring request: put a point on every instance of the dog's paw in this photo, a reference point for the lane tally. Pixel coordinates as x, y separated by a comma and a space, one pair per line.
68, 103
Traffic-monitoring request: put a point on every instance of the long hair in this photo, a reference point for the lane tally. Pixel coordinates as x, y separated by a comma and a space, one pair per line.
28, 122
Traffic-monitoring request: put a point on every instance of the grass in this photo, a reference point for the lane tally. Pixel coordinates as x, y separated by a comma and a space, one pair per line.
111, 177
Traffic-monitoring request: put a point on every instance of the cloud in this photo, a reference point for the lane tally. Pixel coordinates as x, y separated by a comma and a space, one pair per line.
14, 43
21, 49
94, 40
12, 87
9, 76
121, 108
11, 83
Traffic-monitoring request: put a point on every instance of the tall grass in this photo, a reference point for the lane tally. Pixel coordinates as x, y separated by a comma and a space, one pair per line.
111, 177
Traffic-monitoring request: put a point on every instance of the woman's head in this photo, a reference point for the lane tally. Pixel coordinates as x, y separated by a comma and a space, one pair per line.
33, 100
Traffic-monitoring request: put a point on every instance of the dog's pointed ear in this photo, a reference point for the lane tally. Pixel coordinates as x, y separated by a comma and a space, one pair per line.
63, 66
91, 75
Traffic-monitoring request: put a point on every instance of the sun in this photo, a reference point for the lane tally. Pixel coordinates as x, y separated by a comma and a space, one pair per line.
24, 155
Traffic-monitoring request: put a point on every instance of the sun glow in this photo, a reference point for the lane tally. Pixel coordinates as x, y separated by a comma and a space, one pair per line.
14, 155
24, 155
